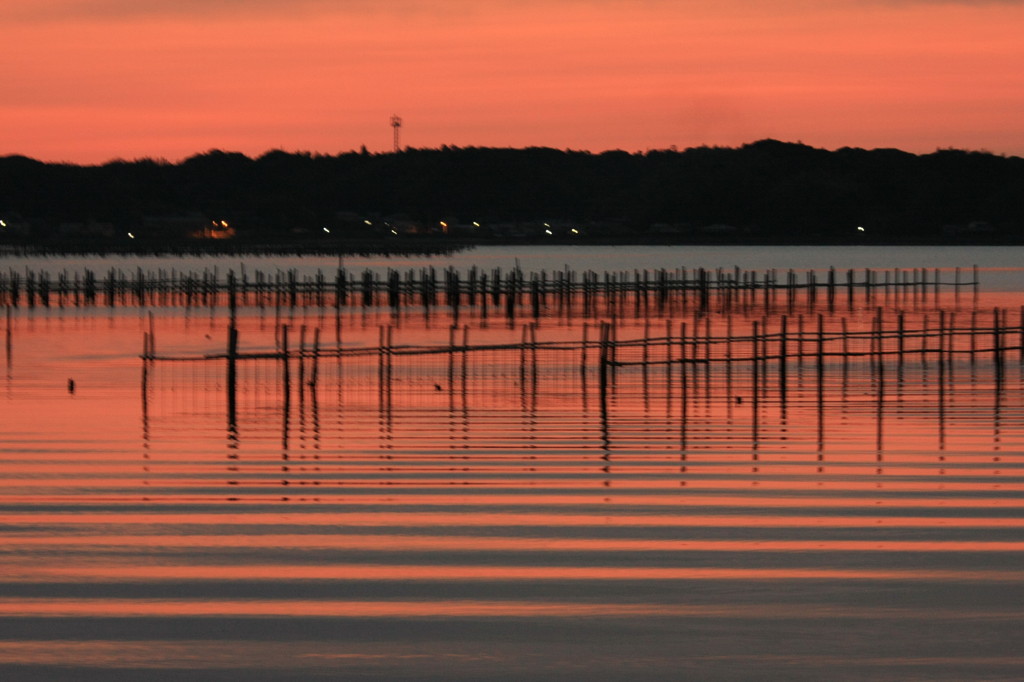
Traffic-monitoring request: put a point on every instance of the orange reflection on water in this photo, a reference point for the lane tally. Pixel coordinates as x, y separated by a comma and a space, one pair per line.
413, 572
428, 543
96, 608
218, 655
611, 499
311, 608
472, 517
301, 655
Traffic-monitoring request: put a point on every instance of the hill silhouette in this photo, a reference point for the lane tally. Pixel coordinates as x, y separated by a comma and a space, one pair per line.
767, 192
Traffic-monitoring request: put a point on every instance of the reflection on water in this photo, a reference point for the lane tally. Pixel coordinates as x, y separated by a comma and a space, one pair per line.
405, 498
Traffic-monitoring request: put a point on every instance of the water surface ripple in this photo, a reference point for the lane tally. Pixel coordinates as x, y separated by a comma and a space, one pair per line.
502, 514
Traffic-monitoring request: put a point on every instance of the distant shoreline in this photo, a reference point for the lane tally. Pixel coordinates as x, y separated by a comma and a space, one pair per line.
433, 200
428, 247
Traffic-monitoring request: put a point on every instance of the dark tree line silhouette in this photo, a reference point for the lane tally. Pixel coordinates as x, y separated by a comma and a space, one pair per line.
764, 192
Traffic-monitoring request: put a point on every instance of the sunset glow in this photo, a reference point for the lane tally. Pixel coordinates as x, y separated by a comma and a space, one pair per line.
87, 81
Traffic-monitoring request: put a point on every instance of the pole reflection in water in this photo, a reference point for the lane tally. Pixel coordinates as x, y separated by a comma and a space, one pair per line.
475, 383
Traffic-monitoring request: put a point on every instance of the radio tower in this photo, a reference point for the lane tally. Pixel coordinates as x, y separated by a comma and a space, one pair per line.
396, 123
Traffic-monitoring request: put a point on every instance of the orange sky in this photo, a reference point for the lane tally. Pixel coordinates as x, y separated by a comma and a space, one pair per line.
91, 80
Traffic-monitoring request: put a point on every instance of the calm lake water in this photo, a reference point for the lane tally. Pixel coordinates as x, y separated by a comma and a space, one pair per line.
502, 510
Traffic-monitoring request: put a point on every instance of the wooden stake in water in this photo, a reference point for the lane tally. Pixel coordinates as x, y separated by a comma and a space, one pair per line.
1021, 342
286, 381
755, 389
232, 378
683, 395
465, 377
997, 341
315, 372
583, 364
604, 361
534, 373
451, 366
668, 367
146, 359
880, 369
942, 380
821, 382
644, 362
302, 365
783, 351
8, 341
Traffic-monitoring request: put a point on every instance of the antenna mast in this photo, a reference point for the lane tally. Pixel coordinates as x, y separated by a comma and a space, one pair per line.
396, 123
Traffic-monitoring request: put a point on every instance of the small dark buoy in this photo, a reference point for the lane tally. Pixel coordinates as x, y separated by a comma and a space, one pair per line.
71, 386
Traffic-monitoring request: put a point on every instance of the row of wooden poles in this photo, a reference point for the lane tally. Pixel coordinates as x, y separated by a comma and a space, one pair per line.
945, 333
685, 351
512, 292
780, 339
